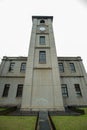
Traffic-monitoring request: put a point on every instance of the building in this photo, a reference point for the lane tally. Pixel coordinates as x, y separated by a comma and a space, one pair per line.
42, 81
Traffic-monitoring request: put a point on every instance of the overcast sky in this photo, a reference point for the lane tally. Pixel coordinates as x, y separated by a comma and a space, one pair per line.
69, 23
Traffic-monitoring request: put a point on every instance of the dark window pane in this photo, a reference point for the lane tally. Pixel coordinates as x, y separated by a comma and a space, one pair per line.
19, 90
61, 67
64, 90
42, 40
11, 68
78, 90
6, 89
42, 57
42, 21
72, 66
23, 67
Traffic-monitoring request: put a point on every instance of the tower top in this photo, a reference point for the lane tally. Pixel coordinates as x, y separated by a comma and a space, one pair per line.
42, 17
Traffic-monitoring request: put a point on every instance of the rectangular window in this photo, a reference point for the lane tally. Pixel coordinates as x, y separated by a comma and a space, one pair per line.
6, 90
42, 57
42, 40
19, 90
78, 90
72, 67
64, 90
11, 68
61, 67
23, 67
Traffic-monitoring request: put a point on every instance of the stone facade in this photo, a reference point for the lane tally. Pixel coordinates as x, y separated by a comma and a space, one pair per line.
72, 78
13, 78
49, 84
67, 77
42, 89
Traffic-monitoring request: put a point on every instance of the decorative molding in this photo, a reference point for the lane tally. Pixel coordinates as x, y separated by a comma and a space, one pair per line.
42, 47
43, 68
12, 76
69, 76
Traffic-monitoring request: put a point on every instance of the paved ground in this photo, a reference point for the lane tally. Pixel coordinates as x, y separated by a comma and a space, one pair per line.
43, 121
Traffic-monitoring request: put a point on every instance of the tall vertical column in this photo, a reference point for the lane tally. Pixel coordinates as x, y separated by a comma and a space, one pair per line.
42, 88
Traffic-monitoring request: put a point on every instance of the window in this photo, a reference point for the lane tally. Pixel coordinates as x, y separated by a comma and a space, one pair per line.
42, 57
23, 67
42, 21
42, 40
61, 67
11, 68
6, 89
78, 90
64, 90
19, 90
72, 67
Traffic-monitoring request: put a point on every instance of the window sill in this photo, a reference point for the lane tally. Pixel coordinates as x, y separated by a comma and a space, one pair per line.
19, 97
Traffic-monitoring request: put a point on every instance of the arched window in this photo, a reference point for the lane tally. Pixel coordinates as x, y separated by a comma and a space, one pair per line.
42, 21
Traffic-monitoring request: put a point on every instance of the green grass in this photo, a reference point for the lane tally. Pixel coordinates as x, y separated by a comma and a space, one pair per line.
1, 109
17, 122
71, 122
85, 110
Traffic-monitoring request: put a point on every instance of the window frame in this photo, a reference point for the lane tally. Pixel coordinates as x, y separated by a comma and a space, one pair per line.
61, 65
11, 67
23, 68
42, 21
6, 90
19, 90
42, 40
72, 67
64, 90
42, 57
78, 90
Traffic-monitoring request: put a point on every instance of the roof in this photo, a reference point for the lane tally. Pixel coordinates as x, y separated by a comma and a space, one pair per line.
42, 17
59, 58
78, 58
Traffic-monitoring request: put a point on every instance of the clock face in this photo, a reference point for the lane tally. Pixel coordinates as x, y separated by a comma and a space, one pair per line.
42, 28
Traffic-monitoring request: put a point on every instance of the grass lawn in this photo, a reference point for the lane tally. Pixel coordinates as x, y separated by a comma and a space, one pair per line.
71, 122
1, 109
17, 122
85, 109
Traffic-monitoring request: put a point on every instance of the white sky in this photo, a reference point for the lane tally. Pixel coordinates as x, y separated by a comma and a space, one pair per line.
70, 26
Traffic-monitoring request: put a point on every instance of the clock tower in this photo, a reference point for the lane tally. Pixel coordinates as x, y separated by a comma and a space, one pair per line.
42, 88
